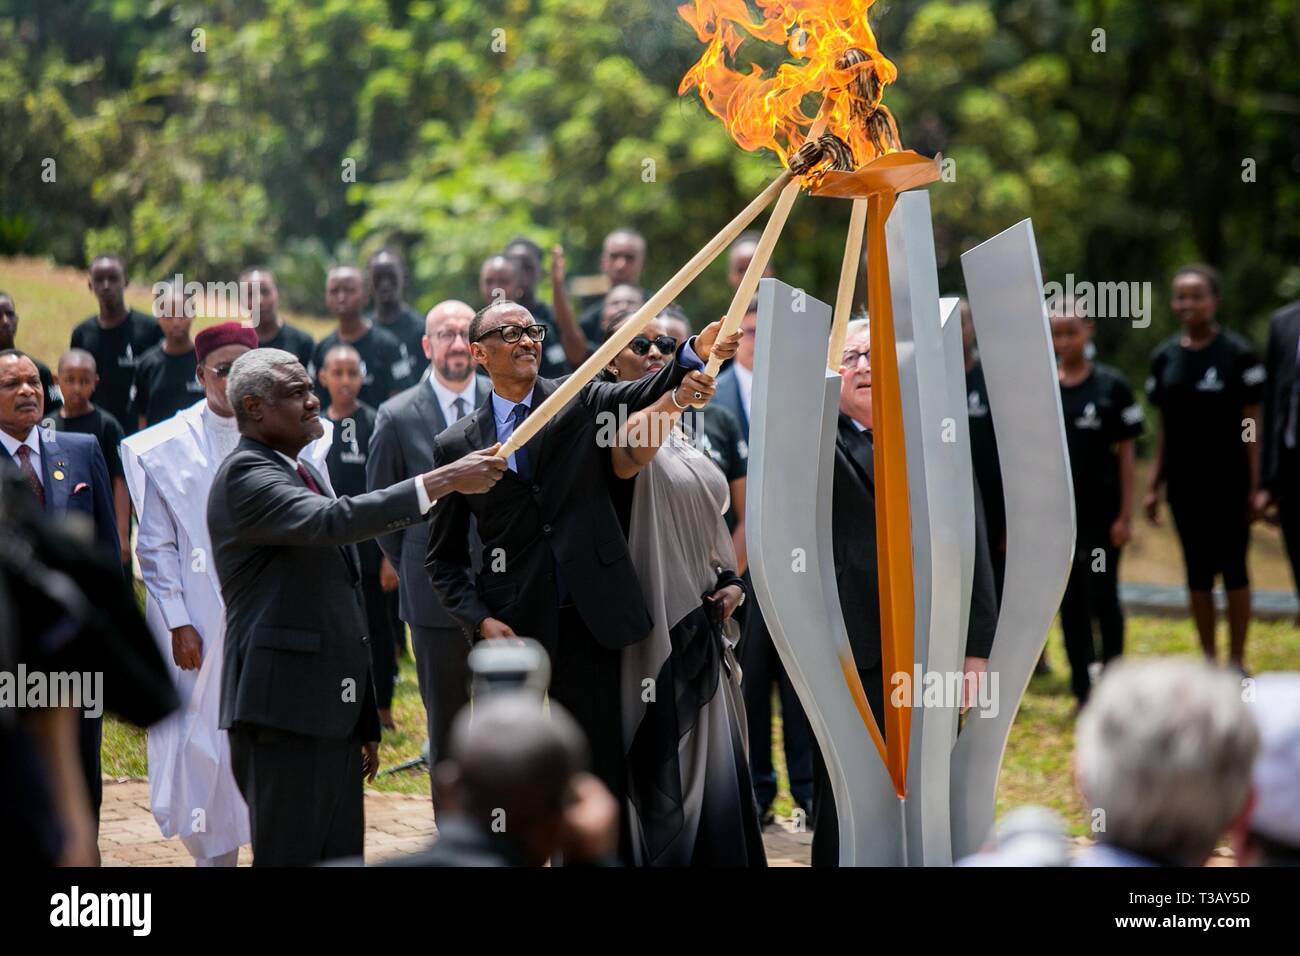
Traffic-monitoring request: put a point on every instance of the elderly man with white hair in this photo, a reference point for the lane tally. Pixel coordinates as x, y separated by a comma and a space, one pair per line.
296, 691
1271, 834
1163, 755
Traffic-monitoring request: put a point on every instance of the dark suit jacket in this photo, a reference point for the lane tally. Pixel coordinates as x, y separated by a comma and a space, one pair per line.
289, 573
853, 520
402, 447
1277, 465
81, 485
562, 517
728, 396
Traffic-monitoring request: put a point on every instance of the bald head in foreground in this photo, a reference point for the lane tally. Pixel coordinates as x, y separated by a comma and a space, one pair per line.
516, 791
297, 695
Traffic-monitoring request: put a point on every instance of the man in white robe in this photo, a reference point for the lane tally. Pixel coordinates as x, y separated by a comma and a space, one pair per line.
169, 469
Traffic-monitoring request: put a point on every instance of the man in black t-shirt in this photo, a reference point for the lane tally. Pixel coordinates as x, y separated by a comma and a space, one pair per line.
166, 378
272, 331
116, 336
381, 354
498, 279
8, 335
387, 277
78, 378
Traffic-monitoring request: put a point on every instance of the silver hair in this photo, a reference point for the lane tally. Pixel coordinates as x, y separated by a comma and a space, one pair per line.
1164, 750
857, 324
255, 373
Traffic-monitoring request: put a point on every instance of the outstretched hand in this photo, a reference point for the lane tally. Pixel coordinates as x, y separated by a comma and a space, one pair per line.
476, 472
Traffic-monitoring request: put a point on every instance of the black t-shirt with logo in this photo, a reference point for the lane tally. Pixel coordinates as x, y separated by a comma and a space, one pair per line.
984, 454
408, 329
294, 340
347, 467
554, 362
1100, 412
105, 428
1202, 394
164, 384
382, 365
116, 351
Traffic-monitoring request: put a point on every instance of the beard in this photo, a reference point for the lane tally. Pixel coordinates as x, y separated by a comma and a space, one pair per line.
456, 371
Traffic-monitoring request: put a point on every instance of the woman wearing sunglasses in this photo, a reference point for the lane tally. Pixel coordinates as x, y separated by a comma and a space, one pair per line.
690, 800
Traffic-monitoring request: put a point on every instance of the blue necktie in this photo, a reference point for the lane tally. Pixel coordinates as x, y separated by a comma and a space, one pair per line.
523, 467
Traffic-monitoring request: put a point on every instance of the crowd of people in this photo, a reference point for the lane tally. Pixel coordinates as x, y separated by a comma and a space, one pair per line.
298, 507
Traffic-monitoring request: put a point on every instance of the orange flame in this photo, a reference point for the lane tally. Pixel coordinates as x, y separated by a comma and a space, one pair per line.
766, 111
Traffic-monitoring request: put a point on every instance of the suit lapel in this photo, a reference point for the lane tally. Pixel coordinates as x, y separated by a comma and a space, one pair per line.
858, 447
541, 391
429, 408
57, 490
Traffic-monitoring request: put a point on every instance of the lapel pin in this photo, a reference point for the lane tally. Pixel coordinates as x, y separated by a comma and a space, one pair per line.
58, 475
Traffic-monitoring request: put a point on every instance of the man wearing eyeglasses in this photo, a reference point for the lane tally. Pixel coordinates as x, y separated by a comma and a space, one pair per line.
853, 543
401, 448
555, 563
169, 470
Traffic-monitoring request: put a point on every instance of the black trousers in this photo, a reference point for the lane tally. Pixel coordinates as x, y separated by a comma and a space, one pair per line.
1288, 512
585, 680
90, 737
826, 836
384, 629
761, 667
1092, 593
304, 795
440, 666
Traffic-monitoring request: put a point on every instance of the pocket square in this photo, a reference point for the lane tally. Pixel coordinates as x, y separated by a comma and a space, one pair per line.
80, 486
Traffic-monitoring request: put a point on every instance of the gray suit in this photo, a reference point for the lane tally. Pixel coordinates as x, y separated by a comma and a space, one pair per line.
296, 689
402, 447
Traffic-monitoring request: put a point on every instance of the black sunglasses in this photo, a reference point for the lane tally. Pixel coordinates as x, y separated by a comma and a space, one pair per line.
510, 334
640, 345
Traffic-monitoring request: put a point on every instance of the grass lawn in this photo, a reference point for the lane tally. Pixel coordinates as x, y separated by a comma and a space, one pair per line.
1036, 768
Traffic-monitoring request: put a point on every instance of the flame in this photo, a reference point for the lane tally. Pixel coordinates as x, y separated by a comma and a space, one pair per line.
766, 111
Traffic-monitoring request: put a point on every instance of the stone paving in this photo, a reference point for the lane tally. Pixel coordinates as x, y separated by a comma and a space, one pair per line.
397, 824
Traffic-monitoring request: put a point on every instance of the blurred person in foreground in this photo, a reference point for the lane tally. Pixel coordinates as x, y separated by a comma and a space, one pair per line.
1162, 758
1270, 835
515, 790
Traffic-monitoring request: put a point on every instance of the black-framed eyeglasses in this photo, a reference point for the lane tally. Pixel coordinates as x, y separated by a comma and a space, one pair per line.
220, 371
640, 345
510, 334
851, 359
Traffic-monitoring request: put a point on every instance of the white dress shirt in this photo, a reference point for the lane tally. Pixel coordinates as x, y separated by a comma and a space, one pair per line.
32, 441
745, 381
446, 397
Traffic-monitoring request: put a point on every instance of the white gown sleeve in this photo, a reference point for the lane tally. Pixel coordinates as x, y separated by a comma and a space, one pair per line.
158, 551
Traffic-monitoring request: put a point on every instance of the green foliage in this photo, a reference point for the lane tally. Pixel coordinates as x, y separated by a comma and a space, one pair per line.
201, 137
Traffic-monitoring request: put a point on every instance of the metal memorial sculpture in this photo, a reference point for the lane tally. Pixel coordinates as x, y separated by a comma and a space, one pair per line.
920, 792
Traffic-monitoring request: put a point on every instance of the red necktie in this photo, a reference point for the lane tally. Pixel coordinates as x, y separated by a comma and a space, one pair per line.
25, 463
307, 479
